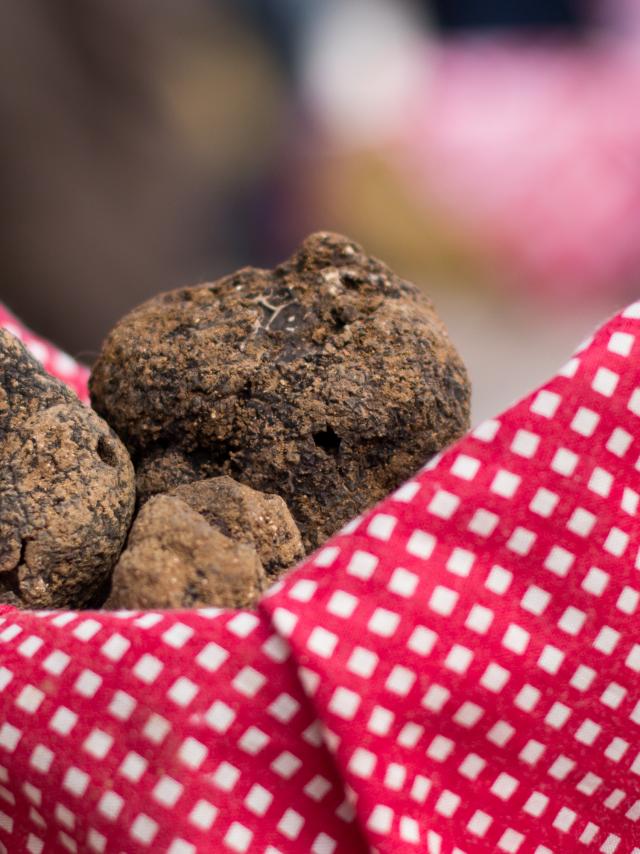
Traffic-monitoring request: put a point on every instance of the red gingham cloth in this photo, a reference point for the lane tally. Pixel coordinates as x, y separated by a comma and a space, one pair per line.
455, 671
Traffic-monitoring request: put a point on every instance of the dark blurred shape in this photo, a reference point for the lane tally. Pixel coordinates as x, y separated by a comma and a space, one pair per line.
132, 134
455, 15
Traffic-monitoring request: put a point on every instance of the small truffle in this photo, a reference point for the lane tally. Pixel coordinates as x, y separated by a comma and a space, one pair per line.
327, 381
247, 516
176, 559
67, 489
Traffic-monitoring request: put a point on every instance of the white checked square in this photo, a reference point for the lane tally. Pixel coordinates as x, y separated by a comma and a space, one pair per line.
461, 562
380, 721
589, 784
532, 752
63, 721
380, 819
633, 659
403, 582
505, 483
606, 640
167, 791
616, 749
211, 657
362, 762
634, 402
521, 541
87, 683
410, 735
498, 580
238, 838
479, 823
486, 432
362, 565
483, 523
435, 698
564, 462
192, 753
572, 620
400, 681
582, 678
383, 622
342, 604
619, 442
110, 805
362, 662
535, 600
258, 800
420, 789
286, 765
516, 639
443, 600
447, 803
178, 635
504, 786
203, 815
600, 482
144, 829
440, 748
344, 703
561, 768
407, 492
472, 766
133, 766
628, 600
585, 421
75, 782
303, 590
550, 659
29, 699
581, 522
613, 695
30, 646
568, 370
495, 678
546, 403
544, 502
421, 544
510, 841
115, 648
479, 619
41, 758
321, 642
182, 692
587, 732
616, 542
527, 698
465, 467
559, 561
381, 526
253, 740
225, 776
630, 501
595, 581
98, 744
9, 737
525, 444
85, 630
605, 382
621, 343
422, 640
317, 788
558, 715
283, 708
536, 804
468, 715
458, 659
443, 504
147, 668
56, 662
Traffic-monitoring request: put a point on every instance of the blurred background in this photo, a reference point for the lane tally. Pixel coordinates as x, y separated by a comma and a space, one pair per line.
489, 150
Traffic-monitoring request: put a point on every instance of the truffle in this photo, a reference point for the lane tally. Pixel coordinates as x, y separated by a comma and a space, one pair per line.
247, 516
67, 489
176, 559
327, 381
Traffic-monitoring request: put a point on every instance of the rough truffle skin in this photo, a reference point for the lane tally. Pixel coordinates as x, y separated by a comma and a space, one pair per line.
176, 559
327, 381
247, 516
67, 489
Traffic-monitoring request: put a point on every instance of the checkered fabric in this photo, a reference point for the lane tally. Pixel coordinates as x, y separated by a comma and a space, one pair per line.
458, 670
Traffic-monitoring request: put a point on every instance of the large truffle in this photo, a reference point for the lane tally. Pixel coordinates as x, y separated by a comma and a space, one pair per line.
247, 516
67, 489
328, 381
176, 559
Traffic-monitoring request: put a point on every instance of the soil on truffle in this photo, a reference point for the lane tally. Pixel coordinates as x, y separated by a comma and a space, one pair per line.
176, 559
67, 489
327, 381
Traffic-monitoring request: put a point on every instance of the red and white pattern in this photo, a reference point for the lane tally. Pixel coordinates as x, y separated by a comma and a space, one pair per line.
456, 671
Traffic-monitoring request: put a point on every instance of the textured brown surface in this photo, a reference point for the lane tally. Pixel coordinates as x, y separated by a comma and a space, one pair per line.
326, 381
176, 559
66, 489
247, 516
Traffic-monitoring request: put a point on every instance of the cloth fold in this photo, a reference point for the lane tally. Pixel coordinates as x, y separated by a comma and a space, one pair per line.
455, 671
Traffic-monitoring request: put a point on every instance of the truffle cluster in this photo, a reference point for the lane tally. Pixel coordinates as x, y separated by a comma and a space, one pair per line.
261, 412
